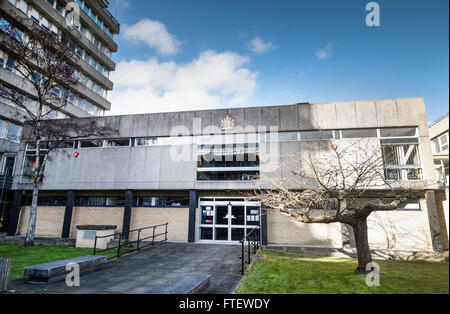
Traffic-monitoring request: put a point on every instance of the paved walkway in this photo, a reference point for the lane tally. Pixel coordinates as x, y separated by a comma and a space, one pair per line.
138, 273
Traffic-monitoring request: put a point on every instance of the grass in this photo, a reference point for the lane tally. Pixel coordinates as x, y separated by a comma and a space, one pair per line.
280, 273
22, 257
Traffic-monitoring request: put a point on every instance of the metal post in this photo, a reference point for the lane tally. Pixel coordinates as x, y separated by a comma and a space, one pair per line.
153, 238
139, 238
167, 224
249, 251
243, 258
95, 245
118, 252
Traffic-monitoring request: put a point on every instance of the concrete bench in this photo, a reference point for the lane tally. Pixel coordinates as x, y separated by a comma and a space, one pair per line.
56, 271
184, 284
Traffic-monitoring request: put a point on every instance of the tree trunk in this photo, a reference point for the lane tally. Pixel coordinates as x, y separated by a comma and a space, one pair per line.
29, 239
362, 245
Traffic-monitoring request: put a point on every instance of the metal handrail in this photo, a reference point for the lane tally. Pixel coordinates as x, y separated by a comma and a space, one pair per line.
138, 241
255, 241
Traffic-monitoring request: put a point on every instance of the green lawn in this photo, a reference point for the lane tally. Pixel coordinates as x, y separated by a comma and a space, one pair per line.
22, 257
280, 273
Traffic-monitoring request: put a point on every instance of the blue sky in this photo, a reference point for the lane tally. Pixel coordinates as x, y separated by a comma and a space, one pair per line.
203, 54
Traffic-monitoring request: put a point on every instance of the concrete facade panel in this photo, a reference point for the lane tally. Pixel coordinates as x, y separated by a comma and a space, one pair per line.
387, 113
283, 230
346, 117
366, 114
176, 217
49, 221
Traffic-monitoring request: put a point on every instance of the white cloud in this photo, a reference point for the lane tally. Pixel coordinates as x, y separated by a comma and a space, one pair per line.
152, 33
258, 46
213, 80
324, 53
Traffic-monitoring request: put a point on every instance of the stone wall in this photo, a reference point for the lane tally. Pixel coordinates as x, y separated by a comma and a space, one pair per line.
96, 216
49, 221
178, 219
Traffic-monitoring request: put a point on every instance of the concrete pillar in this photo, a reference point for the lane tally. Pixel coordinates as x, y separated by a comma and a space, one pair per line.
433, 220
193, 204
70, 202
127, 214
441, 199
15, 213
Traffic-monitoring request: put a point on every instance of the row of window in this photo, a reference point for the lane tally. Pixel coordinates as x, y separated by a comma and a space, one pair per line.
82, 4
11, 65
45, 23
71, 97
32, 104
249, 138
112, 201
440, 144
10, 131
59, 7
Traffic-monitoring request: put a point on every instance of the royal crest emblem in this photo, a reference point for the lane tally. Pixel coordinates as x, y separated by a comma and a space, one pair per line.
227, 123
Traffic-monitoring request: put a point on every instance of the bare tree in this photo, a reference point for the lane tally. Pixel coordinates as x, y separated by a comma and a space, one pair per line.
329, 183
45, 62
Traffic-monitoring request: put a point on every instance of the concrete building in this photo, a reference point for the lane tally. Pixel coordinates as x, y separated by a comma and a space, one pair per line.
440, 141
90, 34
157, 170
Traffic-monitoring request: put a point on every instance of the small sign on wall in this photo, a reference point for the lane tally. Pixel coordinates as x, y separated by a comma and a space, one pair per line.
89, 235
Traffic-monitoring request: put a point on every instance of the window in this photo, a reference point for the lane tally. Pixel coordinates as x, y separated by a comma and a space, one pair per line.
89, 144
115, 201
59, 7
282, 137
87, 58
35, 16
316, 135
11, 64
234, 162
54, 29
2, 128
177, 201
146, 141
2, 58
86, 9
440, 144
117, 143
13, 133
90, 201
46, 24
402, 161
144, 201
29, 168
398, 132
32, 105
23, 6
359, 133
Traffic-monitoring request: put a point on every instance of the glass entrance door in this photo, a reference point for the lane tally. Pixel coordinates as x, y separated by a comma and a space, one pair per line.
227, 221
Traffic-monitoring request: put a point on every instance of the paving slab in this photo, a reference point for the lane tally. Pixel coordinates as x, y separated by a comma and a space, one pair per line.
140, 272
